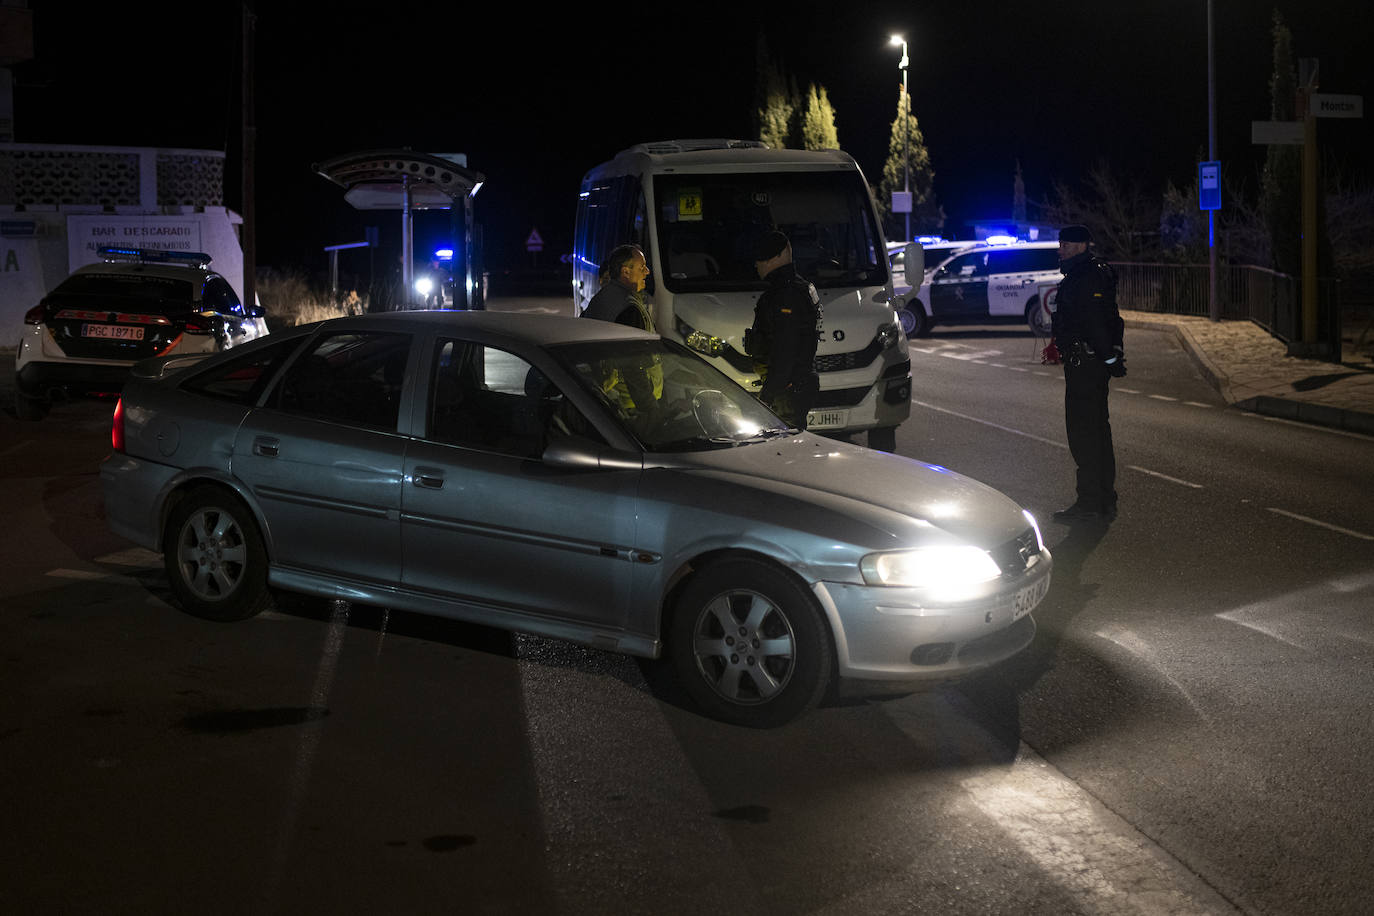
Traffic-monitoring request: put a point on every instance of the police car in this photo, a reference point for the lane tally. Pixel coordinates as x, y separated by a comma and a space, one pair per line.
995, 279
83, 336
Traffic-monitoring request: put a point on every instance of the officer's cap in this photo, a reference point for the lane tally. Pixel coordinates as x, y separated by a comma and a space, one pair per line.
1075, 233
769, 246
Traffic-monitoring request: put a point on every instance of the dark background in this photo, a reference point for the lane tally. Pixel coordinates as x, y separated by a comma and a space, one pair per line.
536, 98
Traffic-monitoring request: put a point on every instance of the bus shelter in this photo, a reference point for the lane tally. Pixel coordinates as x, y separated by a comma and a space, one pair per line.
407, 181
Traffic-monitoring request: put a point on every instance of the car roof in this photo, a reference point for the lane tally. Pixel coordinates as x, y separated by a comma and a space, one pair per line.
534, 328
164, 271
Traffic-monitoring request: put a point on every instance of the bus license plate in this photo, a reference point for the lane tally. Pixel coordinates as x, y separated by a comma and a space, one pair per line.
825, 419
111, 332
1026, 599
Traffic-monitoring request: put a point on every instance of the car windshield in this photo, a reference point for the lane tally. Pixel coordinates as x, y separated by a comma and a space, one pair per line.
667, 398
708, 225
131, 286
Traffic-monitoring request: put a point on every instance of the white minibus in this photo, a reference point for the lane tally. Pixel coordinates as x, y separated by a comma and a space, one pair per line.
696, 207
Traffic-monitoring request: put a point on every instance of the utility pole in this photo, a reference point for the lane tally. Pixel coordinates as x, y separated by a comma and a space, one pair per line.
1213, 300
1308, 73
250, 142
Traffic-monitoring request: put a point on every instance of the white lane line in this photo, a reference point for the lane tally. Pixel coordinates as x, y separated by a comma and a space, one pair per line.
1320, 524
80, 574
1308, 426
1147, 654
1082, 845
1196, 404
134, 556
1182, 483
1234, 617
1162, 397
1005, 429
1127, 390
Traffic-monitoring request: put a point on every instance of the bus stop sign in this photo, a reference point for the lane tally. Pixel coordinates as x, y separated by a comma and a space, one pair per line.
1209, 185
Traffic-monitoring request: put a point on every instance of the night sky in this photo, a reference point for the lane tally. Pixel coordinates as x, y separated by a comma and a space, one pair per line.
534, 98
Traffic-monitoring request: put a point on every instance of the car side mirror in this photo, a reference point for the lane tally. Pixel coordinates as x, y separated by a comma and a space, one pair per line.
914, 257
582, 453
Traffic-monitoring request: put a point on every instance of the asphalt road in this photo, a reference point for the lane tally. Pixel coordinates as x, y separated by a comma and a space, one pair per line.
1188, 734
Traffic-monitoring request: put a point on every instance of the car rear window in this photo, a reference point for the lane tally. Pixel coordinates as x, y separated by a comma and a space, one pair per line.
242, 380
134, 286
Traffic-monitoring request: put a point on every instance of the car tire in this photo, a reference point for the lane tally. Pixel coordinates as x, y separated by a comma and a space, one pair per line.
1038, 319
27, 408
883, 439
921, 322
214, 556
908, 320
748, 644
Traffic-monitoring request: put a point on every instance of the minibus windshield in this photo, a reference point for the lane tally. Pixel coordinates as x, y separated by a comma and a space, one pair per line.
708, 224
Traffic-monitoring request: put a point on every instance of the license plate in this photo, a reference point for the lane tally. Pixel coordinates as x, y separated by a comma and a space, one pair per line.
111, 331
825, 419
1026, 599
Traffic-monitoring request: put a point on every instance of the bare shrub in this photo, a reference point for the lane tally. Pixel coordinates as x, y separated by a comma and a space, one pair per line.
290, 300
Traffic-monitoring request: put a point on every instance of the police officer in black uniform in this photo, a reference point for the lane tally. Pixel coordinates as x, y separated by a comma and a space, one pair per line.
782, 341
1088, 335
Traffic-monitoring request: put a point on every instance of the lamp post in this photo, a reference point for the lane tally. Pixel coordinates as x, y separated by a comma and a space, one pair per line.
906, 140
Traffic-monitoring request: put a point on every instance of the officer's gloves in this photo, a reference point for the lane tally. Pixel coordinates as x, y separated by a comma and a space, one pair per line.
1116, 363
1050, 355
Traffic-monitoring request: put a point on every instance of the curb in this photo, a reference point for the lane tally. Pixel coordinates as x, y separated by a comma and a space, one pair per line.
1283, 408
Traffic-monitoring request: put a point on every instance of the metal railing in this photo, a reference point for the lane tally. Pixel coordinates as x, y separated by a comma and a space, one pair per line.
1270, 299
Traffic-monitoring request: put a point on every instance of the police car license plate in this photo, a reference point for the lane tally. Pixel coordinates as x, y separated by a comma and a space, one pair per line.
111, 332
1026, 599
825, 419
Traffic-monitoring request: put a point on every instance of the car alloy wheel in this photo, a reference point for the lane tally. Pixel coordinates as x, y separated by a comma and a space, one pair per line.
214, 556
749, 644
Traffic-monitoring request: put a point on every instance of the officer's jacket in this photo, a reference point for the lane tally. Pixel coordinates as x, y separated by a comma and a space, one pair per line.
1086, 309
783, 337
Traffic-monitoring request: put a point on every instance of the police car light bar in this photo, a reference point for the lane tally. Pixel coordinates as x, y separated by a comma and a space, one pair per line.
111, 253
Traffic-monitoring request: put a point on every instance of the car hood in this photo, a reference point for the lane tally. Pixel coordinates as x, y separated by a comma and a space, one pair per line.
898, 495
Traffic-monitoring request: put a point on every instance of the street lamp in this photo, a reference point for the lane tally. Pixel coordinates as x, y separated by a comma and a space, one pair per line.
906, 140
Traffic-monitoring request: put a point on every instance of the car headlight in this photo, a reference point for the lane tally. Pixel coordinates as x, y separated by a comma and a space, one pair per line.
930, 567
424, 285
888, 334
700, 340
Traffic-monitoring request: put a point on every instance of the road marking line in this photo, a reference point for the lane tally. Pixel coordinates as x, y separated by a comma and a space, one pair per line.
1162, 397
1127, 390
1312, 426
1005, 429
1231, 617
1320, 524
1196, 404
1080, 843
1184, 483
134, 556
81, 574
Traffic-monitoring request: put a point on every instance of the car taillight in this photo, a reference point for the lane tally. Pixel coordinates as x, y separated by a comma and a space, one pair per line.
34, 315
199, 324
117, 427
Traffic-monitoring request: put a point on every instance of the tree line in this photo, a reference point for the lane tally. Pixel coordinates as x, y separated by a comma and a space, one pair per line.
1260, 223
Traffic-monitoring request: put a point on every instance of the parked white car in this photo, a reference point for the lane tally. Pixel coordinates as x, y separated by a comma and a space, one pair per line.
979, 281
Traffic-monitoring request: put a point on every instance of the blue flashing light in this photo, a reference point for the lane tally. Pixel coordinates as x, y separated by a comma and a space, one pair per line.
154, 255
443, 254
930, 239
1000, 240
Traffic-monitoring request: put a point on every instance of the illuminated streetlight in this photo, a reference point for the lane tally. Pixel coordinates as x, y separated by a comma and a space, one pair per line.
906, 128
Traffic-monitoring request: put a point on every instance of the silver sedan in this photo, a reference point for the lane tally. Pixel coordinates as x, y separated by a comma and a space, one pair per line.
574, 479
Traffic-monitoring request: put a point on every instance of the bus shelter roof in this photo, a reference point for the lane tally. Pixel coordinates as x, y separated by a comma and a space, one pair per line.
379, 179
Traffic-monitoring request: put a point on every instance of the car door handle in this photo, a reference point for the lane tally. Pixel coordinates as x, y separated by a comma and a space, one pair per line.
266, 447
429, 478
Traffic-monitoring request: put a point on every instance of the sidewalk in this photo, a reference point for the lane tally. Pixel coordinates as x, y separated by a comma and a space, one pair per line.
1253, 371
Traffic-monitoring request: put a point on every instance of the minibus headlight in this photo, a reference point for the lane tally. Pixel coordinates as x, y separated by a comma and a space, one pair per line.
700, 340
